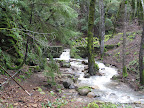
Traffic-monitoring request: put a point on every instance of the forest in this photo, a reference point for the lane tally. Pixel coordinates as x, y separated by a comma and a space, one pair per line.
71, 53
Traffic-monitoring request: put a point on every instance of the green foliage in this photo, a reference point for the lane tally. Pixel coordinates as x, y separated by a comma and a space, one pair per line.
22, 76
127, 53
93, 105
125, 74
109, 105
73, 53
39, 89
57, 104
135, 53
50, 70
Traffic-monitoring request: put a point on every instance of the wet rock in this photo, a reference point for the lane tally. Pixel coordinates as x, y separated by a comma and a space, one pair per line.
102, 68
95, 87
98, 93
64, 64
91, 95
112, 95
84, 91
75, 78
116, 77
68, 83
85, 68
72, 86
87, 75
85, 62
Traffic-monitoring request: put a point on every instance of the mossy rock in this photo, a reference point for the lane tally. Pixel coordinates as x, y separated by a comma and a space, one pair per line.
84, 90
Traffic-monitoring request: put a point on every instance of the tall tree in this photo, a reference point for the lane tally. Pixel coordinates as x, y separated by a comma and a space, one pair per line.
91, 62
102, 26
141, 53
139, 11
124, 39
133, 8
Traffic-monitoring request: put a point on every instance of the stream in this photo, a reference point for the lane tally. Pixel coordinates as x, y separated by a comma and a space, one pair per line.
109, 90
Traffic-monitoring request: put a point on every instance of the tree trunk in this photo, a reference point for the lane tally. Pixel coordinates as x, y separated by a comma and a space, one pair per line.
92, 67
124, 40
141, 57
133, 8
141, 54
102, 26
140, 11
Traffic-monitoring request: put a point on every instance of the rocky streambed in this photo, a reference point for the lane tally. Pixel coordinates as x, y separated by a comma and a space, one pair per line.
82, 87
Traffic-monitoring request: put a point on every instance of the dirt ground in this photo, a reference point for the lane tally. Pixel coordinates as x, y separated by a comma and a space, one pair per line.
41, 94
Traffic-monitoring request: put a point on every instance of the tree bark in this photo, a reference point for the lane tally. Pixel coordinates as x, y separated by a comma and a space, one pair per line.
140, 11
133, 8
141, 54
92, 67
124, 40
102, 26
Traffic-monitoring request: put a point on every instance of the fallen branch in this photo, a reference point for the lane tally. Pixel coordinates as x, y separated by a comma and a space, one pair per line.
8, 79
15, 81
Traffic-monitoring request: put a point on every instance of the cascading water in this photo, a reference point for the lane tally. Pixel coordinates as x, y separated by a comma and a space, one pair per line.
111, 91
65, 55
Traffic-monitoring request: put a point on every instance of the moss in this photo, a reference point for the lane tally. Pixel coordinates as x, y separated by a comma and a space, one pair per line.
142, 81
87, 87
96, 66
91, 61
143, 46
127, 53
118, 44
125, 74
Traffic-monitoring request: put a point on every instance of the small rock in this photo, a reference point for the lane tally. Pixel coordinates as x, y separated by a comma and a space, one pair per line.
72, 91
85, 62
102, 68
15, 104
84, 91
79, 99
34, 105
87, 75
112, 95
42, 92
137, 102
91, 95
64, 64
72, 86
95, 87
85, 68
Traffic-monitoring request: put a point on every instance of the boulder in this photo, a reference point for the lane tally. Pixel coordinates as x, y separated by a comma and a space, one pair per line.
68, 83
91, 95
84, 91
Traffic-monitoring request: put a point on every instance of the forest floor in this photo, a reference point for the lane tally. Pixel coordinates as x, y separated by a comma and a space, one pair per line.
114, 56
42, 94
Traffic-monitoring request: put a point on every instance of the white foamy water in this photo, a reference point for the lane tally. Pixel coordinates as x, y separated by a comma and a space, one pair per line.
113, 91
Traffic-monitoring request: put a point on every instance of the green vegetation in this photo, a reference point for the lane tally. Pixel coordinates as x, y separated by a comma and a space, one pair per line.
87, 87
93, 105
57, 104
125, 74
